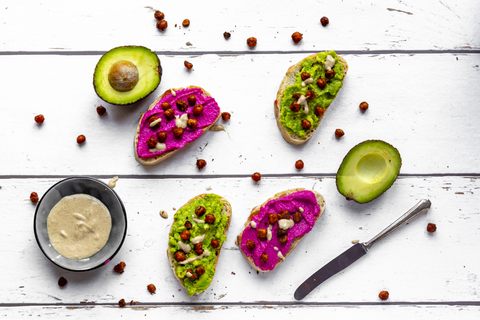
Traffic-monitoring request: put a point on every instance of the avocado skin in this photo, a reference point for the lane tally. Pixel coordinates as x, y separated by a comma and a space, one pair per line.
377, 192
158, 71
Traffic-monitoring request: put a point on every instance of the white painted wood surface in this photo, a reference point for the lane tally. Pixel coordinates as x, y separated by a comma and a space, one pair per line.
415, 62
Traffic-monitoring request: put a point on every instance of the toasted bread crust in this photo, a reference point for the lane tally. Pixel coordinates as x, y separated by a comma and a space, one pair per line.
256, 211
163, 156
288, 80
227, 209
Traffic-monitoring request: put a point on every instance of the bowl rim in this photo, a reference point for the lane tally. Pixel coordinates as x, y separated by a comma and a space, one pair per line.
123, 211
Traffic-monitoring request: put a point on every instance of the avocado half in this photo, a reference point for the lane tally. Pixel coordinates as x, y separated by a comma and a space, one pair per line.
125, 75
368, 170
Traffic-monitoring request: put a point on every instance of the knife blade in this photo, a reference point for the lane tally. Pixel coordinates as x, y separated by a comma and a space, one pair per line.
357, 251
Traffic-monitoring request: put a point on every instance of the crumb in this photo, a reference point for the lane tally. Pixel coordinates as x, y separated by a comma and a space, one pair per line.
355, 241
119, 268
188, 44
209, 188
233, 273
122, 303
163, 214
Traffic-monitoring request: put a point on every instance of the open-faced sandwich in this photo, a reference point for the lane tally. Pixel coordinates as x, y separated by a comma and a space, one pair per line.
275, 227
196, 237
306, 92
178, 117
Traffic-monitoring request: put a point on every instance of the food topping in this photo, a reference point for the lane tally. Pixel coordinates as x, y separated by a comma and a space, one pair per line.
200, 270
319, 111
159, 15
295, 106
272, 218
198, 110
262, 234
324, 21
431, 227
214, 243
303, 102
39, 119
188, 225
192, 100
252, 42
306, 124
256, 176
226, 116
310, 95
200, 211
321, 83
299, 164
34, 197
307, 82
330, 74
62, 282
297, 217
383, 295
152, 142
153, 120
184, 246
304, 76
210, 218
339, 133
186, 23
188, 65
253, 224
280, 255
250, 244
282, 208
177, 132
198, 248
205, 253
329, 63
81, 139
181, 105
162, 25
198, 239
201, 164
264, 258
192, 123
185, 235
363, 106
297, 37
165, 105
179, 256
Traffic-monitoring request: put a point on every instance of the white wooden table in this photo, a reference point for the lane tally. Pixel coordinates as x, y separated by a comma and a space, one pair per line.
415, 62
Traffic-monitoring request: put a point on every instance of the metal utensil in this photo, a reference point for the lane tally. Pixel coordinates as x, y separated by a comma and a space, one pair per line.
357, 251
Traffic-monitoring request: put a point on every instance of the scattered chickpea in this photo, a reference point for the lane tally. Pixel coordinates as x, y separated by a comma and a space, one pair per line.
299, 164
101, 110
39, 119
188, 65
201, 164
159, 15
252, 42
256, 176
226, 35
383, 295
324, 21
162, 25
119, 268
81, 139
431, 227
363, 106
339, 133
122, 303
297, 37
34, 197
151, 288
186, 23
226, 116
62, 282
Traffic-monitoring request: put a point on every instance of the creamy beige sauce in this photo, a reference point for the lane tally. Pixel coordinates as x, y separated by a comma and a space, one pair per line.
253, 224
269, 232
197, 220
155, 122
285, 224
198, 239
79, 226
158, 147
303, 102
185, 247
329, 63
307, 81
205, 253
280, 255
181, 121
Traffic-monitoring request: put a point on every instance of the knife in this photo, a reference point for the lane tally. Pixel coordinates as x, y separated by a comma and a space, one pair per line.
357, 251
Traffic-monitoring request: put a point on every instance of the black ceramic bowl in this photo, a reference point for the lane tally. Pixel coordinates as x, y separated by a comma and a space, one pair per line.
94, 188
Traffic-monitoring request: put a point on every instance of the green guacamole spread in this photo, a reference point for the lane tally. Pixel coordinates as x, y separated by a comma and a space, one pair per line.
323, 97
213, 205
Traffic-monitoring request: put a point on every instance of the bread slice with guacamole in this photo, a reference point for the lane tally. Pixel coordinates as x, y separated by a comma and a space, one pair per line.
306, 92
196, 237
178, 117
275, 227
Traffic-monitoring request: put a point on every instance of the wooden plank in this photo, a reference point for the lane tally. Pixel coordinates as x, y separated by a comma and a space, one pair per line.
433, 127
56, 26
246, 312
413, 265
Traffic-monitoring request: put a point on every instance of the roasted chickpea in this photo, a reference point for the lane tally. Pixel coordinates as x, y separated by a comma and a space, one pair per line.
363, 106
188, 65
310, 95
226, 35
256, 176
161, 136
200, 211
305, 76
295, 106
192, 275
166, 105
81, 139
159, 15
431, 227
200, 270
162, 25
272, 218
324, 21
226, 116
281, 232
284, 215
214, 243
383, 295
169, 114
191, 99
297, 37
181, 105
34, 197
252, 42
210, 218
198, 110
321, 83
122, 303
264, 258
188, 225
250, 244
192, 123
152, 142
101, 110
198, 248
297, 217
330, 74
186, 23
262, 234
296, 96
319, 111
119, 268
151, 288
39, 119
177, 132
201, 164
179, 256
299, 164
306, 124
339, 133
282, 238
185, 234
152, 119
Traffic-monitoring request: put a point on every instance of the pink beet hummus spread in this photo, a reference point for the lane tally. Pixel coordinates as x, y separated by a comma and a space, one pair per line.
208, 117
293, 202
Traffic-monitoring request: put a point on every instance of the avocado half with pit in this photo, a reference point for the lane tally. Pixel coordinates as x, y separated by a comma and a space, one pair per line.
368, 170
125, 75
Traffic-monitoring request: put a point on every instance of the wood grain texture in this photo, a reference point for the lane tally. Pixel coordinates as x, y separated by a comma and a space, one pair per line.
413, 265
412, 107
57, 26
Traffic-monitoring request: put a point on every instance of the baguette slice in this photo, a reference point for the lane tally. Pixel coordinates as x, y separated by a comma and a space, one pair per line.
226, 211
320, 201
159, 158
288, 80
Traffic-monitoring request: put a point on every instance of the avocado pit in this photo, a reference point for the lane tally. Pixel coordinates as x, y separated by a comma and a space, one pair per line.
123, 76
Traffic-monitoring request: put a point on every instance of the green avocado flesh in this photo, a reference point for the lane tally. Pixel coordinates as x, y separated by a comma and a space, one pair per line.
134, 71
213, 205
291, 120
368, 170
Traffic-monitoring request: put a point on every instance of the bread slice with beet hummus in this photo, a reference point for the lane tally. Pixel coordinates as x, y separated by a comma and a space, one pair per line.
289, 121
150, 156
307, 203
221, 209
